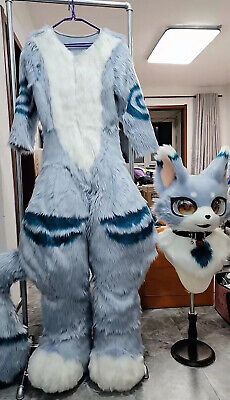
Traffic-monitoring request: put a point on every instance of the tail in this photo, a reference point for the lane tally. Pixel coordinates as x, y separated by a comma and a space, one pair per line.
14, 346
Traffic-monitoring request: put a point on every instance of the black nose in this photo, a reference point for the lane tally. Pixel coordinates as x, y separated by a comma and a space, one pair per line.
207, 216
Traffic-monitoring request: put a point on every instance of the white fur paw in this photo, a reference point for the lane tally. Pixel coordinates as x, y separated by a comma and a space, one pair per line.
52, 373
165, 150
120, 374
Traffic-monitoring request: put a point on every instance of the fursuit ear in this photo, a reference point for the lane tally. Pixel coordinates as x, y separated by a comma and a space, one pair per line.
169, 168
218, 167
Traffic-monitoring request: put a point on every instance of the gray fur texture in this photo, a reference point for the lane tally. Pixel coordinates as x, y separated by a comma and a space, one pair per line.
14, 345
80, 220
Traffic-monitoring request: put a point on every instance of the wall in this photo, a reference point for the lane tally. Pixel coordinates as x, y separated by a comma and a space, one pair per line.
23, 22
224, 103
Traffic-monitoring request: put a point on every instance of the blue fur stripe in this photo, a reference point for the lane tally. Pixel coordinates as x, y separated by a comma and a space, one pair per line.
160, 163
52, 223
140, 103
23, 92
19, 110
46, 240
223, 154
137, 114
23, 109
132, 238
12, 340
135, 95
24, 103
128, 220
174, 157
23, 83
202, 254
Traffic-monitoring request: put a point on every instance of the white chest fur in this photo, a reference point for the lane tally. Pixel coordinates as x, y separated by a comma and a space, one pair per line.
75, 91
177, 250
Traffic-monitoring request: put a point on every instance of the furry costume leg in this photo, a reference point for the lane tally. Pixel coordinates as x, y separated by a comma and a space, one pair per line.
54, 252
61, 274
59, 362
121, 250
14, 345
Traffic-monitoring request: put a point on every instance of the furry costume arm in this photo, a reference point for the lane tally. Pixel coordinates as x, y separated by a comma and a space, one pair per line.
24, 126
132, 110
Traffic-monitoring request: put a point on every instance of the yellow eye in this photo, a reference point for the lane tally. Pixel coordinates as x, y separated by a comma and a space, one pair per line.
219, 205
182, 206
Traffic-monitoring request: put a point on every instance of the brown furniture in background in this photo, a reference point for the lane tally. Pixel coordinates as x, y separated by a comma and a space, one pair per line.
222, 298
147, 192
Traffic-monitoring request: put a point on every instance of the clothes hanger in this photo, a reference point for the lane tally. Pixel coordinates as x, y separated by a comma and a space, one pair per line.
74, 17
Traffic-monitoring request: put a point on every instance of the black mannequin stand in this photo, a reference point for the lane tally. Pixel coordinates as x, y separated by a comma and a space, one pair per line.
190, 351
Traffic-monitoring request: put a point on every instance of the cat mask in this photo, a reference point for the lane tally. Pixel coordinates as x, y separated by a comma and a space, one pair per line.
193, 206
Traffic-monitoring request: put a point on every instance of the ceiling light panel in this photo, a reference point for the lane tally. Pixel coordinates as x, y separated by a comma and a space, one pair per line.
182, 45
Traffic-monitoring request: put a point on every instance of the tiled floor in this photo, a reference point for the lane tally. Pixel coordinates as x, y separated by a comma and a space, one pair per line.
168, 380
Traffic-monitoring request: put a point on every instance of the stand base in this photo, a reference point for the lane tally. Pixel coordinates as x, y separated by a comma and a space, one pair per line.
193, 353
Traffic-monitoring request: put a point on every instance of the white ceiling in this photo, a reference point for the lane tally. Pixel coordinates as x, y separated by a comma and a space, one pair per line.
151, 18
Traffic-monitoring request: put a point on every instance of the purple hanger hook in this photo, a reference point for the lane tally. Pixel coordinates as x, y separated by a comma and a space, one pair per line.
71, 6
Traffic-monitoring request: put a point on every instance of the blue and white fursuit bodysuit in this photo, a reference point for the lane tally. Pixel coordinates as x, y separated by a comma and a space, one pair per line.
85, 214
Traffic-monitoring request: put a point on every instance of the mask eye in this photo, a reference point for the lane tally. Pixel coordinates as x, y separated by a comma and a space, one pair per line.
182, 206
219, 205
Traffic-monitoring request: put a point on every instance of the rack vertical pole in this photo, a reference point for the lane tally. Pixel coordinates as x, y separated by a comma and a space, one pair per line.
19, 187
130, 44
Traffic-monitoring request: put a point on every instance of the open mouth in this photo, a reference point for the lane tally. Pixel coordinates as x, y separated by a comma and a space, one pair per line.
204, 226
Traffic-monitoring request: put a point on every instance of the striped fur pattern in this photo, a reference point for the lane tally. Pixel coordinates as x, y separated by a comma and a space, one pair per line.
52, 231
25, 104
23, 130
130, 228
85, 214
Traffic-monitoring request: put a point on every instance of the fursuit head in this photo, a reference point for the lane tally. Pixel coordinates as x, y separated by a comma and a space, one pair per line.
193, 208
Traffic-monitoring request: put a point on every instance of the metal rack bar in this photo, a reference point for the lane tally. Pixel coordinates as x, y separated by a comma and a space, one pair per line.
12, 64
175, 97
93, 3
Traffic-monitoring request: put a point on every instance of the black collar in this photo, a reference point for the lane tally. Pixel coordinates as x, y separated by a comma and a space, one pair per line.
193, 235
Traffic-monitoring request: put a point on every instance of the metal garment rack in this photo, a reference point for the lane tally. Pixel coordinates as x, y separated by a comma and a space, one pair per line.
10, 29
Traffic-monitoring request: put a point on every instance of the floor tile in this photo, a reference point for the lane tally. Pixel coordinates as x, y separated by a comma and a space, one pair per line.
168, 380
173, 381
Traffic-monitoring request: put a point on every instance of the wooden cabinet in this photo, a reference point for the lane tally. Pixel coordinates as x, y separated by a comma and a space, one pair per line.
163, 289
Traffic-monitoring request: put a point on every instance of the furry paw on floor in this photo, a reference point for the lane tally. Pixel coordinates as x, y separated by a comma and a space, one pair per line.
120, 374
52, 373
